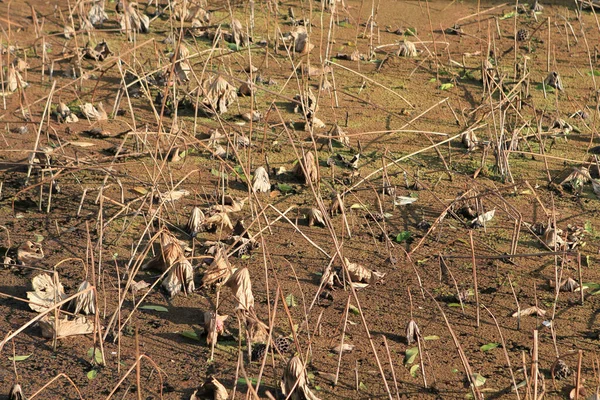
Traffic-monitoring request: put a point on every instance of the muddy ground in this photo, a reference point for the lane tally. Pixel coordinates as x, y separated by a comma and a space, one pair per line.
445, 96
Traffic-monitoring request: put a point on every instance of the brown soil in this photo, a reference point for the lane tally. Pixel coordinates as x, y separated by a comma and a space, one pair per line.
286, 262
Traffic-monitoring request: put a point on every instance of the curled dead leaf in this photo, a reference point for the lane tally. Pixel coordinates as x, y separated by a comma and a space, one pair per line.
307, 168
361, 274
65, 327
133, 20
218, 94
211, 389
533, 310
346, 347
92, 113
300, 39
190, 10
218, 220
294, 383
97, 15
30, 252
46, 292
16, 393
85, 302
241, 286
260, 181
230, 205
195, 223
315, 216
412, 332
180, 277
407, 49
214, 325
219, 271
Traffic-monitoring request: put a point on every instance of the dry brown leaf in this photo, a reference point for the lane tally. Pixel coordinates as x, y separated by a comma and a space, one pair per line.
241, 286
238, 33
66, 327
218, 220
174, 195
569, 285
182, 67
211, 389
16, 393
214, 325
45, 293
233, 206
361, 274
219, 271
85, 302
260, 181
294, 383
346, 347
218, 94
97, 15
68, 32
552, 237
307, 168
412, 332
339, 135
170, 253
195, 223
469, 139
30, 252
133, 20
407, 49
191, 10
301, 42
315, 216
93, 113
329, 278
533, 310
14, 80
180, 277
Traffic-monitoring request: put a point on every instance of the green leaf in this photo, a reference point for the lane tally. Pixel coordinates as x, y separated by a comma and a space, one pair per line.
20, 358
403, 236
233, 47
354, 310
410, 354
95, 354
489, 346
154, 308
190, 335
357, 206
508, 15
454, 305
413, 370
432, 337
362, 387
595, 73
39, 238
588, 227
478, 379
285, 188
290, 300
541, 86
218, 173
410, 32
432, 80
92, 374
446, 86
243, 381
454, 370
